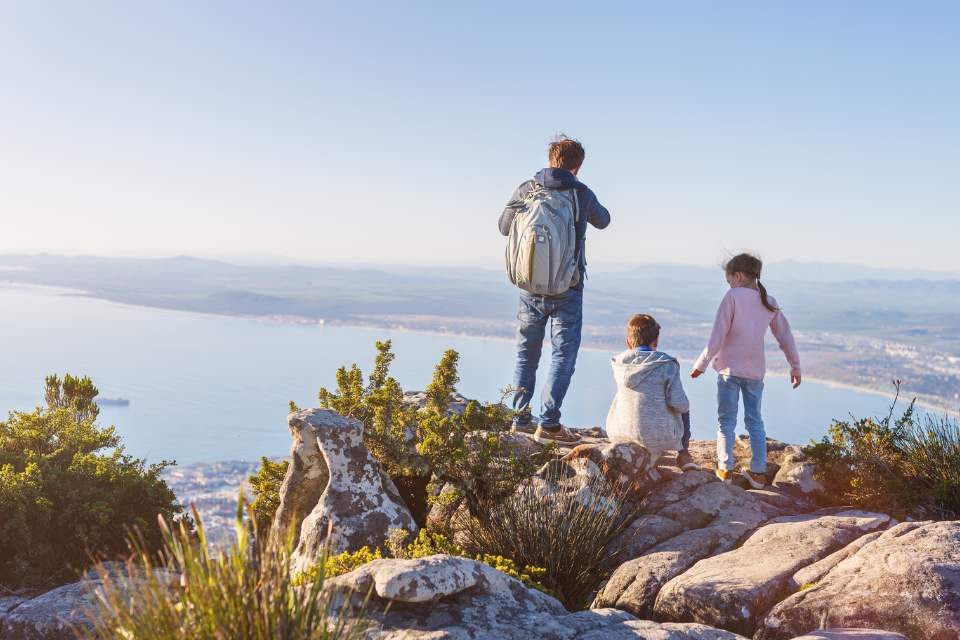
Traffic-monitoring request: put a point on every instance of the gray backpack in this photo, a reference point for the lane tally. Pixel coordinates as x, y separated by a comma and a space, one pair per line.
542, 246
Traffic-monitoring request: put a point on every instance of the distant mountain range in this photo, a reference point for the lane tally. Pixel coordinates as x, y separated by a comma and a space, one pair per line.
858, 325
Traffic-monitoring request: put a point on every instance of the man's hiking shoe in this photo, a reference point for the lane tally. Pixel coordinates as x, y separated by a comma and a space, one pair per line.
530, 428
560, 436
685, 461
756, 480
724, 475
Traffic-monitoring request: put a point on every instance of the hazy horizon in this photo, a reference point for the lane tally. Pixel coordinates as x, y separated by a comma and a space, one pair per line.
817, 269
362, 133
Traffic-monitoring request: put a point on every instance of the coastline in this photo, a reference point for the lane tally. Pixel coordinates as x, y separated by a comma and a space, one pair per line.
929, 405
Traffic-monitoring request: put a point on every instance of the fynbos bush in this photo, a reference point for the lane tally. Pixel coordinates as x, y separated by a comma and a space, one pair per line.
265, 485
68, 490
417, 445
572, 535
907, 466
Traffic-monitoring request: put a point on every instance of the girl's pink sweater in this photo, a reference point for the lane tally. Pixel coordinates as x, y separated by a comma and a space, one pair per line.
737, 338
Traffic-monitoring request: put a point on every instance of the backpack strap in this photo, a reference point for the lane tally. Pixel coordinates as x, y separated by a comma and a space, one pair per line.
576, 208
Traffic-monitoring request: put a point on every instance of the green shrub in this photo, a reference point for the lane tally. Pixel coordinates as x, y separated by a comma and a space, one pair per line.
572, 536
244, 591
425, 544
907, 466
337, 565
68, 490
265, 485
415, 445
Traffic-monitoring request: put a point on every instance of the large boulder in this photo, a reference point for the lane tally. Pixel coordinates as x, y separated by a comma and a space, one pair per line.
907, 580
359, 504
733, 589
306, 478
714, 516
447, 597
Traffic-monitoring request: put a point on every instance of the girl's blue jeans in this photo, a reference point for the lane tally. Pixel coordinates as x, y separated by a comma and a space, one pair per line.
729, 390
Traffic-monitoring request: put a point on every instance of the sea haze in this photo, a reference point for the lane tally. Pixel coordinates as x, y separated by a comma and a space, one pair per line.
206, 387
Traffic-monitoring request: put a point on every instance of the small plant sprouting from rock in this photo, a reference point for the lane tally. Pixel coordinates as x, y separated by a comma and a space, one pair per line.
193, 591
265, 485
907, 466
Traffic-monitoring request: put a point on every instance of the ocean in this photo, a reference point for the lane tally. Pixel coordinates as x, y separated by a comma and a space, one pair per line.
208, 388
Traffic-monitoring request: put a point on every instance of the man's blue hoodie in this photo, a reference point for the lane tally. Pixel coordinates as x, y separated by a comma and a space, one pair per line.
590, 209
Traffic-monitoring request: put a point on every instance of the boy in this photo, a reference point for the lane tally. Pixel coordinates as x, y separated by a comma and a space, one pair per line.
559, 303
650, 406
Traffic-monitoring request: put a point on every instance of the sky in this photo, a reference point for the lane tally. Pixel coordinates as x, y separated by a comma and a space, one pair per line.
395, 132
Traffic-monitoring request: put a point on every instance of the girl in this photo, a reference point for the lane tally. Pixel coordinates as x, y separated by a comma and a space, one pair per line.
737, 344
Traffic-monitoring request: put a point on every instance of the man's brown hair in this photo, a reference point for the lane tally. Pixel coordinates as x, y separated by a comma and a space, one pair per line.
566, 153
642, 331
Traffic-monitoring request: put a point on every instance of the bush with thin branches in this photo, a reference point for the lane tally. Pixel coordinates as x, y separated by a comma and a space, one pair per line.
907, 466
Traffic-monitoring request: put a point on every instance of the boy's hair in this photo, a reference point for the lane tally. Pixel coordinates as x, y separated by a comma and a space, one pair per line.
642, 331
750, 266
566, 153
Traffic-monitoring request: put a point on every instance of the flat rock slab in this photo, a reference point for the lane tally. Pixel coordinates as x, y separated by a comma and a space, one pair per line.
724, 515
733, 589
49, 616
851, 634
907, 581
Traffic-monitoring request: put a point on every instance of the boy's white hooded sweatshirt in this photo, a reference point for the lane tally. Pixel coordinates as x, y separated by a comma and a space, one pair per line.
649, 401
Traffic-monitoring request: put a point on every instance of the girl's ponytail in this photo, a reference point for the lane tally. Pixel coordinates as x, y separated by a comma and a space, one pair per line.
751, 266
764, 299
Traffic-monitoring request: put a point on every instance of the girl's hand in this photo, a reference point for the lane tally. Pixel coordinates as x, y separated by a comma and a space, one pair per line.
696, 373
795, 380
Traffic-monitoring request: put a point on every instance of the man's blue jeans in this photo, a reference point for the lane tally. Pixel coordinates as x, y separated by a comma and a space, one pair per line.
564, 313
729, 390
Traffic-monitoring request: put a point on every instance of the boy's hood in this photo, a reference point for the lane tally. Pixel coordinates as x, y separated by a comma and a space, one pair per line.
553, 178
632, 367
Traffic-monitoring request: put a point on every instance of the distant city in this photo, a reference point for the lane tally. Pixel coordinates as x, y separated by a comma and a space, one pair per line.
855, 325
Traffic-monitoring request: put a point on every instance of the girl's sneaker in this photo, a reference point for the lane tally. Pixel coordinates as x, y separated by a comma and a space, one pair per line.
756, 480
724, 475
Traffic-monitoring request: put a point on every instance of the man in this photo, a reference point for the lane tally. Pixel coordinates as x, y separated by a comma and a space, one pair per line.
534, 217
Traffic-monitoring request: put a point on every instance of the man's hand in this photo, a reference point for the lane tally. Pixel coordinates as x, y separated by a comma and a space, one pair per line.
696, 373
795, 380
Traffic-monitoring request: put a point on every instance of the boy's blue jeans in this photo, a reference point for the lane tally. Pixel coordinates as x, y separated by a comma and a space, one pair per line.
564, 313
729, 390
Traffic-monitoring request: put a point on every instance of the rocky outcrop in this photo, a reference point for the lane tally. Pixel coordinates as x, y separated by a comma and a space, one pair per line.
446, 597
732, 589
306, 478
623, 466
713, 517
907, 580
359, 503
